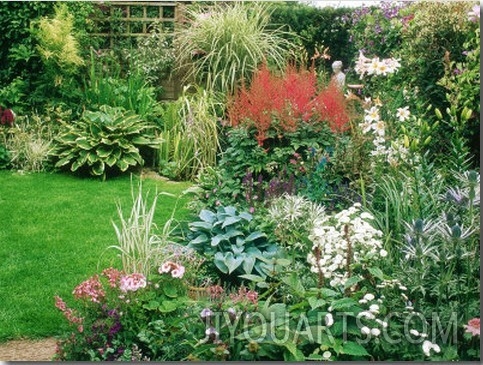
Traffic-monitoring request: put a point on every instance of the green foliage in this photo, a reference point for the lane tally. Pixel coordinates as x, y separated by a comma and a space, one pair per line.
131, 93
58, 47
317, 27
435, 29
4, 157
441, 257
227, 237
251, 175
154, 56
462, 83
105, 141
17, 49
220, 47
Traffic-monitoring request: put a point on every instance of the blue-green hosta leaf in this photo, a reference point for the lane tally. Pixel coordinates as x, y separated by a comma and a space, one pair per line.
245, 215
215, 241
219, 261
237, 250
232, 262
254, 252
207, 216
233, 232
251, 277
195, 226
248, 264
201, 239
255, 235
230, 210
230, 220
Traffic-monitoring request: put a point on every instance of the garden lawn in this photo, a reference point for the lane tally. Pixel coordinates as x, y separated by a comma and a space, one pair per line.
54, 233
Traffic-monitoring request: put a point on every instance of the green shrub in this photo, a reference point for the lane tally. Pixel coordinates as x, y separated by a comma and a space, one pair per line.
104, 141
154, 56
4, 157
316, 27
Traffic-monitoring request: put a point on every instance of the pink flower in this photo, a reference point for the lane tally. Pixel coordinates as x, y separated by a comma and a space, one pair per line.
90, 289
166, 267
132, 282
113, 275
473, 326
176, 270
60, 304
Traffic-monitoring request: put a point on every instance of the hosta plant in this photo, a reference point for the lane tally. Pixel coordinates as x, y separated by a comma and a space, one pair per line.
104, 141
235, 246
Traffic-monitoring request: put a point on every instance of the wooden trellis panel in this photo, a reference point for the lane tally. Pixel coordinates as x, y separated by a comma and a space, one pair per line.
128, 20
131, 19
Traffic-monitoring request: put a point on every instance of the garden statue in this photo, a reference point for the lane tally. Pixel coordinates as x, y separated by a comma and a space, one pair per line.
339, 76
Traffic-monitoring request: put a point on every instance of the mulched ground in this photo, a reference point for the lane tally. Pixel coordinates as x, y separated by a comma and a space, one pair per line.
28, 350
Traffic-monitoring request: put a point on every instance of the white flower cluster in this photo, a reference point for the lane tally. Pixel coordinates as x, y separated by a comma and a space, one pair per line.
331, 239
428, 346
375, 66
396, 151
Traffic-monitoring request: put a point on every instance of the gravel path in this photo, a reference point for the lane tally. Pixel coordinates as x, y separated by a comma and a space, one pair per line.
28, 350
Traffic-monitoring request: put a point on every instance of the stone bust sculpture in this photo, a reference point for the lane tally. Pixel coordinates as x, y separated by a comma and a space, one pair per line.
339, 76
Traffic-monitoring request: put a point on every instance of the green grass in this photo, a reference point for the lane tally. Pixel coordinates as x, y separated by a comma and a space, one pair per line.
54, 232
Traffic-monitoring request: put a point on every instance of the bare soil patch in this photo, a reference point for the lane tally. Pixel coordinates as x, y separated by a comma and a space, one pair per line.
28, 350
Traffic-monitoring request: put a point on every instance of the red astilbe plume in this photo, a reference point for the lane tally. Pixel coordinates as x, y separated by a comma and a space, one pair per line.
282, 103
299, 88
330, 106
255, 106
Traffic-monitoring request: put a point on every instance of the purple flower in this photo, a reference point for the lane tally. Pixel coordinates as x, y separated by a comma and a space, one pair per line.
206, 312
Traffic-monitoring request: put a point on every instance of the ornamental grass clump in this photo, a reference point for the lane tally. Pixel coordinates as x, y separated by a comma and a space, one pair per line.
137, 241
220, 47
